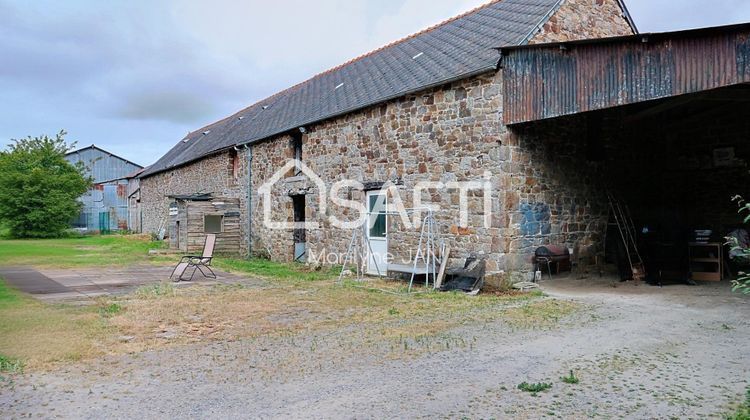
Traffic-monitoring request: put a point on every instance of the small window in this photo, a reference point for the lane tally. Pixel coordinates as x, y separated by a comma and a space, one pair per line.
213, 223
377, 216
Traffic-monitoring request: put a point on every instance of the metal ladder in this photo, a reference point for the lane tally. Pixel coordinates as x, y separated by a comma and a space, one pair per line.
624, 221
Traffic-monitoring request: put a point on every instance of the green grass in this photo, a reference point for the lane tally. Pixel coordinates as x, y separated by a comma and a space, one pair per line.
80, 251
107, 310
154, 290
8, 296
276, 270
10, 365
35, 334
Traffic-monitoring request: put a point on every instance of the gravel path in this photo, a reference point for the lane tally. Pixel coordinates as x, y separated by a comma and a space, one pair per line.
640, 352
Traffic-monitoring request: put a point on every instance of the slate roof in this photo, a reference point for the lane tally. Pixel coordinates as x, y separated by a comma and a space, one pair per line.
456, 49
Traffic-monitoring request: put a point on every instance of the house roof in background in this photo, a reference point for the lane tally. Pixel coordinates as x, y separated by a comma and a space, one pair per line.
95, 147
458, 48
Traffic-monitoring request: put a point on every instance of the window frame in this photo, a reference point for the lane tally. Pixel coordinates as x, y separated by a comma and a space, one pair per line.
221, 222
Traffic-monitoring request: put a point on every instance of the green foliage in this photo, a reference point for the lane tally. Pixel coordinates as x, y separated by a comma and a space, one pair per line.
39, 188
107, 310
10, 365
743, 411
570, 379
534, 387
742, 284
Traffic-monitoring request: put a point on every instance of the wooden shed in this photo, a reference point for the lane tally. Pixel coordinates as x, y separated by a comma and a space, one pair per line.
193, 216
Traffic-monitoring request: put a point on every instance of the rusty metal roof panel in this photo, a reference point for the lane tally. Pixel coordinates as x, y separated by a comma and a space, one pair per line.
551, 80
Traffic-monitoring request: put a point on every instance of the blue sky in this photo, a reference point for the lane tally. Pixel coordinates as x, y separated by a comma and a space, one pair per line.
134, 76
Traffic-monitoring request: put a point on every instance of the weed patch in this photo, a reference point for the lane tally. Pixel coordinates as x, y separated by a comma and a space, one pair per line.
743, 411
570, 379
154, 291
108, 310
10, 365
534, 388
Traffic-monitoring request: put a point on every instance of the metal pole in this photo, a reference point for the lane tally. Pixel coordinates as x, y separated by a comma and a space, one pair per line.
346, 258
416, 257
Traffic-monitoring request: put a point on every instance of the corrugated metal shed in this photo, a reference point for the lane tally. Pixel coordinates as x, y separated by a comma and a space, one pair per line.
102, 165
551, 80
105, 205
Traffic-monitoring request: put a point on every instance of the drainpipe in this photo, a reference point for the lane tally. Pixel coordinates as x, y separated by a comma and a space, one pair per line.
249, 152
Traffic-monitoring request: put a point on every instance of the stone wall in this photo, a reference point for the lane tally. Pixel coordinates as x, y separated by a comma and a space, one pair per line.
556, 192
449, 134
584, 19
542, 184
213, 174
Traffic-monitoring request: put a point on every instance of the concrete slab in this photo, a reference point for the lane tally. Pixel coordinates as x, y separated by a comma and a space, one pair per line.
31, 281
82, 284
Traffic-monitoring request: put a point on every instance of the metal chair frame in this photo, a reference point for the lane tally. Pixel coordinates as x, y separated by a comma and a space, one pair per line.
197, 262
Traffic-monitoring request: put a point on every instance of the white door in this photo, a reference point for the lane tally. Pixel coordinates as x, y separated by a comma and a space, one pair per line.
377, 233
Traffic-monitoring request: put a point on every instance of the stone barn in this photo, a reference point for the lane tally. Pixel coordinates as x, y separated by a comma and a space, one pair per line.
427, 108
516, 123
657, 122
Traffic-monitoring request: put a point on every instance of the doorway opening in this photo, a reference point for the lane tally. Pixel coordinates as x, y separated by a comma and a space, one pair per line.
299, 233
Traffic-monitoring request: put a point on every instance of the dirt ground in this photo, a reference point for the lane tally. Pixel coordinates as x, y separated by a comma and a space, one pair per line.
639, 352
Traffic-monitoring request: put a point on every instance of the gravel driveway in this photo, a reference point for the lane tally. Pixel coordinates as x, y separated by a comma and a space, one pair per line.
639, 352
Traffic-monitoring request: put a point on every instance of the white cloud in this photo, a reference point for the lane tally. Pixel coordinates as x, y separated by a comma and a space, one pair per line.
136, 76
671, 15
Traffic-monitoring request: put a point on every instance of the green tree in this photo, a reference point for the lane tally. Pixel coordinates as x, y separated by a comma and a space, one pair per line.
39, 189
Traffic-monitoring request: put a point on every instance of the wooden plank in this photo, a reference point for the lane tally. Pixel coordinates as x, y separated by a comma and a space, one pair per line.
443, 265
705, 276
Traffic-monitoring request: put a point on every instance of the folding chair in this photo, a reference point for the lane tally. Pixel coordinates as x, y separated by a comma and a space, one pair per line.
196, 262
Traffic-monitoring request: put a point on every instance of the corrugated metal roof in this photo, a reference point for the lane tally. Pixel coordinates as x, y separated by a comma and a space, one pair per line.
551, 80
102, 165
456, 49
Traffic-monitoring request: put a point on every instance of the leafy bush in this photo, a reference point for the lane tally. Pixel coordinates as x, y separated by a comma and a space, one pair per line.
39, 188
742, 284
